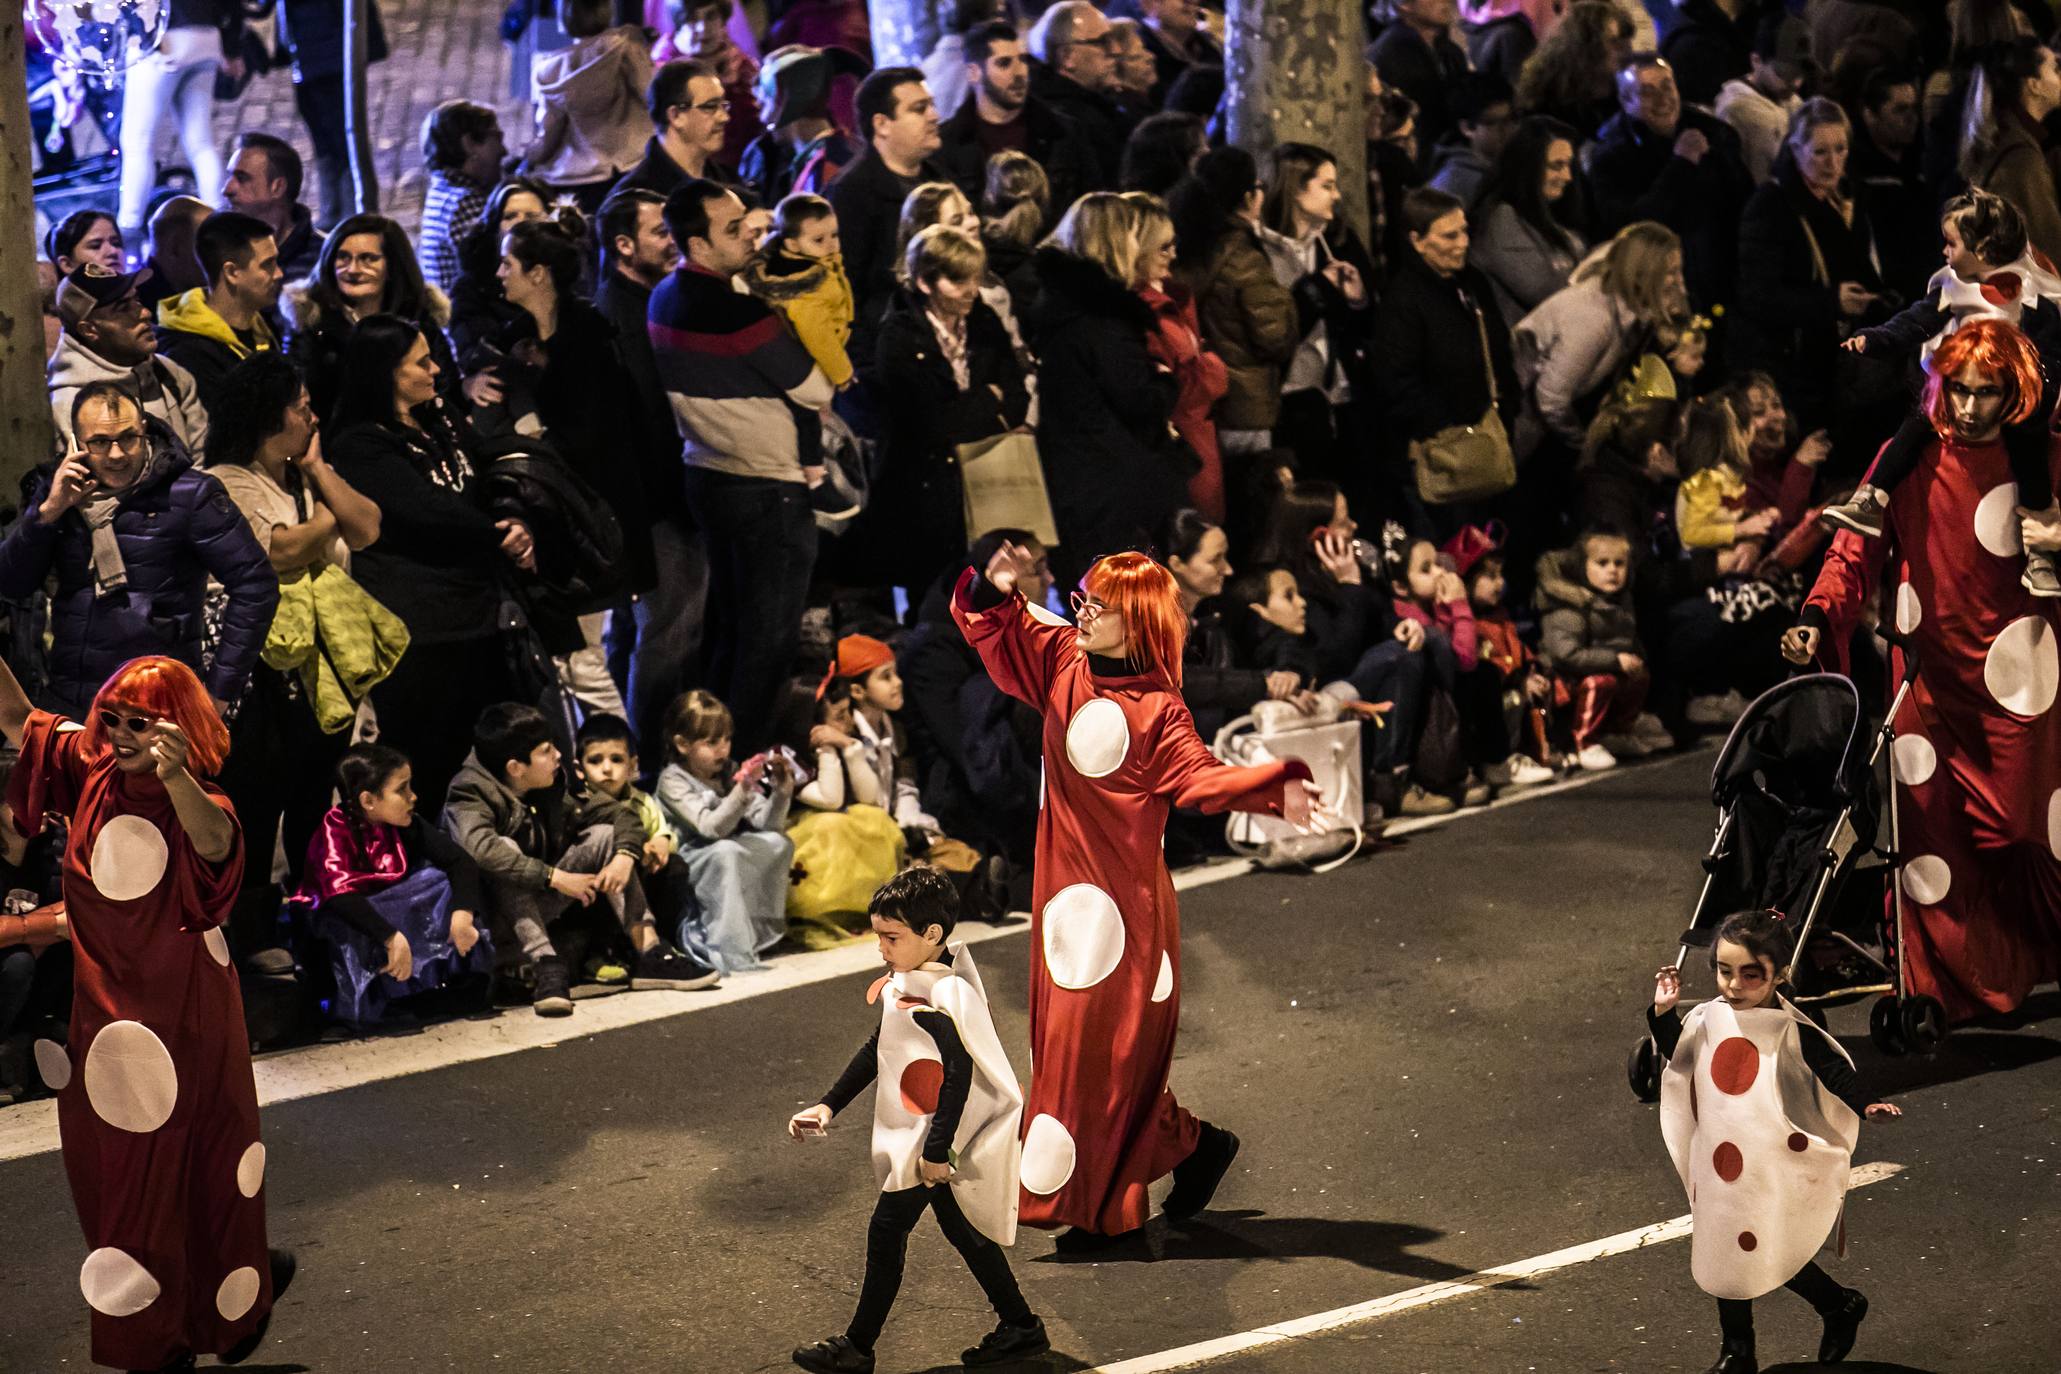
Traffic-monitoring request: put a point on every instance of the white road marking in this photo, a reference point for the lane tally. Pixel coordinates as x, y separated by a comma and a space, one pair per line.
31, 1127
1431, 1294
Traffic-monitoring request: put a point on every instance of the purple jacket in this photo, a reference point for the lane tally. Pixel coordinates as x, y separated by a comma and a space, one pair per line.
176, 528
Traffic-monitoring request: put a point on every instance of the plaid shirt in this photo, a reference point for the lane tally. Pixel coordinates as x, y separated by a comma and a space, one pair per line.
450, 209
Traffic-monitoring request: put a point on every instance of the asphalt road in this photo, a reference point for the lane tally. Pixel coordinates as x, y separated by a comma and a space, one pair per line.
1423, 1053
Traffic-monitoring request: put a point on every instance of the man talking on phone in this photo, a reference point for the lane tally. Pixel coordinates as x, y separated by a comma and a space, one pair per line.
131, 531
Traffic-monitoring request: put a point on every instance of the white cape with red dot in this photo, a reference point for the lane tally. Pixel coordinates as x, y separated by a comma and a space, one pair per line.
988, 1157
1764, 1149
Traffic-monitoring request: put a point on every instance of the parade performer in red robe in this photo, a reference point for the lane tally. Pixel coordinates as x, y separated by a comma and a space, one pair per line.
1978, 754
1120, 750
156, 1105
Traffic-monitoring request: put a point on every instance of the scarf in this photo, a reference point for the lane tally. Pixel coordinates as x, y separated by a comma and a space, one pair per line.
110, 574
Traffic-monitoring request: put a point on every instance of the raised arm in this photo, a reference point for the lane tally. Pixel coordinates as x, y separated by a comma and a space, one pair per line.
1021, 654
14, 705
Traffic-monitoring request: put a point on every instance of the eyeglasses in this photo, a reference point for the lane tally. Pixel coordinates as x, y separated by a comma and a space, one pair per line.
1085, 608
707, 107
129, 441
136, 724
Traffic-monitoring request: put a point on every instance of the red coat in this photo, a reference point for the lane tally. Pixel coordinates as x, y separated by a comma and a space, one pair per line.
1105, 1003
156, 1105
1978, 754
1176, 343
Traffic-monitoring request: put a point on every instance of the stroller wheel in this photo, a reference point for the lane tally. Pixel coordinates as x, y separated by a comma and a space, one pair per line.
1924, 1024
1886, 1028
1642, 1070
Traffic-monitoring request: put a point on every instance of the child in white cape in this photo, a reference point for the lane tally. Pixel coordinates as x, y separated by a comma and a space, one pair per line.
1760, 1109
945, 1120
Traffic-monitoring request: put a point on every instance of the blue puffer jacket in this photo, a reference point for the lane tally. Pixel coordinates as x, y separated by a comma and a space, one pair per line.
176, 528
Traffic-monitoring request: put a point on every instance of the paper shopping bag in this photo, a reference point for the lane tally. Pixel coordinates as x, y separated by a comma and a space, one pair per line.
1005, 487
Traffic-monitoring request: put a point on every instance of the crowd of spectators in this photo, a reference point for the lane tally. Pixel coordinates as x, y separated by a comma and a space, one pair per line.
622, 504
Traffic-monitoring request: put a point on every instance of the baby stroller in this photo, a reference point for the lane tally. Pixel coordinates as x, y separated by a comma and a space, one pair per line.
1799, 810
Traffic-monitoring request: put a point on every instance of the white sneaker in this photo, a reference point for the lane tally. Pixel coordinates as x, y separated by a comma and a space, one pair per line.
1722, 710
1526, 771
1594, 759
1649, 732
1624, 745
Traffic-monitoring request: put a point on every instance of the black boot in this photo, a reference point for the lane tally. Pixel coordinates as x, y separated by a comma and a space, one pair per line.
1735, 1359
1196, 1177
835, 1356
1842, 1325
284, 1267
179, 1364
1007, 1344
1075, 1240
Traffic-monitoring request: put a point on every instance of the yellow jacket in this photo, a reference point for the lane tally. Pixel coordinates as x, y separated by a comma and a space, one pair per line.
340, 641
816, 297
1707, 506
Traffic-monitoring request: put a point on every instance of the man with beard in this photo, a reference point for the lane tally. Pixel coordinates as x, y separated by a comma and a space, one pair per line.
1003, 116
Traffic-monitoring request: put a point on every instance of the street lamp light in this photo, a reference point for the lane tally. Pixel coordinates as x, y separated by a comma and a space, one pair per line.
100, 39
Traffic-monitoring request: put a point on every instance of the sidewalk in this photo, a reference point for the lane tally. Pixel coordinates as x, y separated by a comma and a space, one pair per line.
440, 50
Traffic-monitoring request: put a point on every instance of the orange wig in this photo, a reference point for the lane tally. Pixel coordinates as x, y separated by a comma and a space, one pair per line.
1997, 350
1149, 600
167, 689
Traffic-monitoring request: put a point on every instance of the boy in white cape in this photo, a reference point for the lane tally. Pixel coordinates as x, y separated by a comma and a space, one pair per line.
1760, 1110
945, 1125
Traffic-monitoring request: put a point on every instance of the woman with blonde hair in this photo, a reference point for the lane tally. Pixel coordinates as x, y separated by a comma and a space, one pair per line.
1112, 470
940, 202
1015, 212
949, 375
1808, 279
1627, 295
1176, 344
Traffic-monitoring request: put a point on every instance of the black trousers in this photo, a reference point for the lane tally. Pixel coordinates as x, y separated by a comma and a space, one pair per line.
428, 706
281, 768
320, 101
887, 1247
1812, 1284
761, 551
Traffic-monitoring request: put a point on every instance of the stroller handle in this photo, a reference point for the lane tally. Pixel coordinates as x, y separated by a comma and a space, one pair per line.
1909, 647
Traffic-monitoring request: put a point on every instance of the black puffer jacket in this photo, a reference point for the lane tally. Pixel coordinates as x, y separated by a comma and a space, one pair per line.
1108, 451
317, 332
176, 528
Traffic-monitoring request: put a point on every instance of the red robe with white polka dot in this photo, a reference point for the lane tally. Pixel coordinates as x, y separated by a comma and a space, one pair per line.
1978, 754
156, 1105
1105, 992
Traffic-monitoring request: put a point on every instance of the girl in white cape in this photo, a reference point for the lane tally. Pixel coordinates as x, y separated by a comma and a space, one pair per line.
945, 1120
1760, 1110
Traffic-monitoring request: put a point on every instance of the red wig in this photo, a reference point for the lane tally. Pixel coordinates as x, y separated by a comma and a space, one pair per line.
1149, 600
167, 689
1997, 350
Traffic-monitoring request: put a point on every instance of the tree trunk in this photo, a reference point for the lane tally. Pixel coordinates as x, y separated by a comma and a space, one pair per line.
1296, 72
904, 31
25, 432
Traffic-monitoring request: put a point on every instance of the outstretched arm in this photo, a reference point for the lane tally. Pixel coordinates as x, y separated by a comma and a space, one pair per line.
206, 824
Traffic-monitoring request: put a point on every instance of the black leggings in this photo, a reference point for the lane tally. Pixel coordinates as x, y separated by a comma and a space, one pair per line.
2026, 444
887, 1245
1812, 1284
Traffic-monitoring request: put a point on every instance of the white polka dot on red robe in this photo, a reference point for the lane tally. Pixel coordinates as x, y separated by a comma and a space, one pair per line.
2022, 670
1908, 612
53, 1064
1915, 759
1048, 1156
1927, 880
1996, 522
129, 857
1083, 936
218, 945
1046, 617
237, 1293
130, 1079
1163, 986
1098, 738
2054, 824
250, 1170
114, 1284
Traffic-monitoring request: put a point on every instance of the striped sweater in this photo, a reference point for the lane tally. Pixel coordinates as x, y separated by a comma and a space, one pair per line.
732, 369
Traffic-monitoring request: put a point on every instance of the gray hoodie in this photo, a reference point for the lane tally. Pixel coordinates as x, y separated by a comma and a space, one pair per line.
591, 117
167, 389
